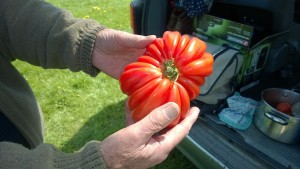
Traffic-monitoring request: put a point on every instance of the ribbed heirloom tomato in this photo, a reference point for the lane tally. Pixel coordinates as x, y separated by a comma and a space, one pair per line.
171, 70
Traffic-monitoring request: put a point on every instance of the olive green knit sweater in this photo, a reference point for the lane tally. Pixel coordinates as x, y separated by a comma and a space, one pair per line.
41, 34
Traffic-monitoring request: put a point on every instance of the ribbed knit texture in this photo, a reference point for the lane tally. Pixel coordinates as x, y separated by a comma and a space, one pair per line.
87, 44
46, 156
41, 34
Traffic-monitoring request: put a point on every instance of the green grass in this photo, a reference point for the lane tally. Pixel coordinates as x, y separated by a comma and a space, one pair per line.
78, 108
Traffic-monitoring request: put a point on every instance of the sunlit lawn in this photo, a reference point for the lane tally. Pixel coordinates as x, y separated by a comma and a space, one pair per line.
78, 108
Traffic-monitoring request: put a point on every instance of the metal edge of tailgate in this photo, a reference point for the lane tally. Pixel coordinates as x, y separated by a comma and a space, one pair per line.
194, 152
207, 147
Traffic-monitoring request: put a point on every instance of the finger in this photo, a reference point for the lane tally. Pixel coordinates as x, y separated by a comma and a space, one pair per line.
158, 119
138, 41
178, 132
129, 120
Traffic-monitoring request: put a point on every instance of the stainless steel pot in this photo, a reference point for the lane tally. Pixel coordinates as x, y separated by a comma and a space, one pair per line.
273, 123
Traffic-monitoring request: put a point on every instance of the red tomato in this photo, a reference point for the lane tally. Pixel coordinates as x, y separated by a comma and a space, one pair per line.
171, 70
284, 108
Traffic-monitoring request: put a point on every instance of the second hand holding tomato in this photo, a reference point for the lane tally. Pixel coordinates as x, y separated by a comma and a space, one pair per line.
171, 70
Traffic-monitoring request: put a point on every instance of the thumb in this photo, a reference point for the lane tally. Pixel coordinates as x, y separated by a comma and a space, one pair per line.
139, 41
158, 119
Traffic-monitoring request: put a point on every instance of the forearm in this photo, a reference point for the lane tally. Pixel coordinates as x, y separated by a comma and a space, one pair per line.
47, 156
41, 34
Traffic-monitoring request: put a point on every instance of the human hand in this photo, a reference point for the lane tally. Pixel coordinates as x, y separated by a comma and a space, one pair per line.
146, 143
114, 50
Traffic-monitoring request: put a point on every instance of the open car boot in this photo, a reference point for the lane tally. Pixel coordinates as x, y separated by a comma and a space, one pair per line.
180, 21
183, 12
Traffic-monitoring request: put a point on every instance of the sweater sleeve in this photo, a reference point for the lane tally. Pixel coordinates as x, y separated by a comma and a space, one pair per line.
46, 156
39, 33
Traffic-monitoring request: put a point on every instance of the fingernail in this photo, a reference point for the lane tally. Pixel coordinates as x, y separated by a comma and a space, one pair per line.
196, 111
171, 110
151, 36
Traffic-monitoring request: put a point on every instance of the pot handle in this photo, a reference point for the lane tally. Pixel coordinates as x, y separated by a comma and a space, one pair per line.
277, 118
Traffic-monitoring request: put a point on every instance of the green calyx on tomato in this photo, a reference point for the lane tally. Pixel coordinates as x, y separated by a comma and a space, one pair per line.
172, 69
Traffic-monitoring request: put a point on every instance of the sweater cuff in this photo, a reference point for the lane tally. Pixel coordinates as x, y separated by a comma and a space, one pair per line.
89, 157
86, 48
92, 156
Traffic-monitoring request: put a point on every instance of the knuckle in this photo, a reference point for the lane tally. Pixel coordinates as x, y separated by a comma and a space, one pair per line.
184, 128
156, 122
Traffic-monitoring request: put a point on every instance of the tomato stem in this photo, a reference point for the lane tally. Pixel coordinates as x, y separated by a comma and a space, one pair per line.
170, 70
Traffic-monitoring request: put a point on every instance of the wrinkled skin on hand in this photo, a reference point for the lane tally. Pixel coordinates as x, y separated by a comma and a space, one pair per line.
145, 144
114, 50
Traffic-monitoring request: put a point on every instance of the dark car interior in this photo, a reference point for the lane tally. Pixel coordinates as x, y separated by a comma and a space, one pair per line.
211, 143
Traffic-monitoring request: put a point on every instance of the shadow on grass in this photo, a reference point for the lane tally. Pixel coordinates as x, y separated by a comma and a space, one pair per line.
106, 122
